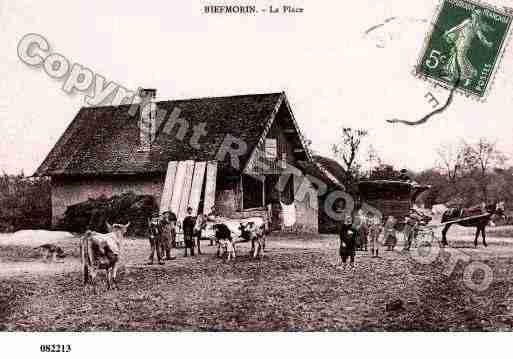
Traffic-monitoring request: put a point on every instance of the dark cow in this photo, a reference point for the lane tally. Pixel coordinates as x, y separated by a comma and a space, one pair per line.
224, 241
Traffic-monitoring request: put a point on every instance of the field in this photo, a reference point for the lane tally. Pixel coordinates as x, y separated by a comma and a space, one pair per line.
296, 287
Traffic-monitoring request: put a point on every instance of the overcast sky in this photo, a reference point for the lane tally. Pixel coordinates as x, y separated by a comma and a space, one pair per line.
332, 74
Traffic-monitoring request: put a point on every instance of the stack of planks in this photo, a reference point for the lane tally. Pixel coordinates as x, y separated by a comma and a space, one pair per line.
184, 185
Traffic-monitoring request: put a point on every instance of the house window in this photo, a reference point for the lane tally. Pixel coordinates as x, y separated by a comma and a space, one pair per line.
271, 148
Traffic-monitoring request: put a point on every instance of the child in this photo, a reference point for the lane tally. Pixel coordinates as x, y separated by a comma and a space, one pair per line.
168, 224
390, 233
188, 231
409, 232
347, 242
374, 232
363, 233
155, 237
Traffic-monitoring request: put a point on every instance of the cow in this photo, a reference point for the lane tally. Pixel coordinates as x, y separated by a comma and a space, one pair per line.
250, 232
100, 251
241, 231
224, 241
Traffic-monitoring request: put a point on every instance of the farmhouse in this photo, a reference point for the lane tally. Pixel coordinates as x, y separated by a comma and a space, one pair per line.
253, 142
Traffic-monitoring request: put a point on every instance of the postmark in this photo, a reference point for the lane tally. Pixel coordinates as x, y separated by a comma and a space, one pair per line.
464, 46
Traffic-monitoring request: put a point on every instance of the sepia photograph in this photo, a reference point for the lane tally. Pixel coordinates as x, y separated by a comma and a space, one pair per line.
283, 173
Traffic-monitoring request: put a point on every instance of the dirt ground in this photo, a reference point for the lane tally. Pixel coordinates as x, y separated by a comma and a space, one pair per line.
296, 287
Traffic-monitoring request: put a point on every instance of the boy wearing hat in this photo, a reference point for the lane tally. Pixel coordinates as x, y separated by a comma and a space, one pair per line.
155, 236
168, 224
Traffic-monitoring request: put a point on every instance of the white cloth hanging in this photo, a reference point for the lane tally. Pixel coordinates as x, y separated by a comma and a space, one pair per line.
289, 214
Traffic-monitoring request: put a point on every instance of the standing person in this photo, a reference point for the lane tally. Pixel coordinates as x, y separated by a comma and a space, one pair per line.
374, 232
390, 233
347, 242
168, 224
199, 226
409, 232
188, 231
155, 237
363, 234
357, 221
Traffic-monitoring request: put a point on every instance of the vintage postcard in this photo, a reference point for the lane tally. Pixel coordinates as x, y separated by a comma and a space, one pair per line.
175, 173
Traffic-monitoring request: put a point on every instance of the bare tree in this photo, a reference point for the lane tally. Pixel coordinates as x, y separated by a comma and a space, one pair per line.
348, 147
451, 158
481, 159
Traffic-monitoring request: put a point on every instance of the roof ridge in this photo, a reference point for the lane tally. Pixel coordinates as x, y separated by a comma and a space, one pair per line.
194, 99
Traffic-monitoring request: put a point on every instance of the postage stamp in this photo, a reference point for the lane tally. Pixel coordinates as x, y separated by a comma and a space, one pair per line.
464, 46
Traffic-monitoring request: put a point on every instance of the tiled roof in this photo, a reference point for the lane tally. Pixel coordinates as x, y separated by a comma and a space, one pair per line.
105, 140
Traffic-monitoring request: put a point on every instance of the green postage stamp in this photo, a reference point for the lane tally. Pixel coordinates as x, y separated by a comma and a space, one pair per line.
464, 46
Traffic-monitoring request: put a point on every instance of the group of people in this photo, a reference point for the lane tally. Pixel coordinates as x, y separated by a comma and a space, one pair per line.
364, 232
162, 235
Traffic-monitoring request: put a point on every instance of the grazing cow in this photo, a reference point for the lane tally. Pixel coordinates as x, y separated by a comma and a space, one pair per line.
102, 251
250, 232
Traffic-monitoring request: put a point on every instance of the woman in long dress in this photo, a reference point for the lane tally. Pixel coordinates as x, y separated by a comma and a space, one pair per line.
390, 233
460, 38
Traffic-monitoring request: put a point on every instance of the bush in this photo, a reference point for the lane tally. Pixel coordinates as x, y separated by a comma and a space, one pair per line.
93, 213
25, 202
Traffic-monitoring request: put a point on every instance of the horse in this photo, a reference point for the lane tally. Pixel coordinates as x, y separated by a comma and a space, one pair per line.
487, 211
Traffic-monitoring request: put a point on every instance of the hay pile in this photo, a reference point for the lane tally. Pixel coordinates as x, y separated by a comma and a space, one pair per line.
124, 208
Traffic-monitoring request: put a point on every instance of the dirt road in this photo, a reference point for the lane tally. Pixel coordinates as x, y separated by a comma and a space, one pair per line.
297, 286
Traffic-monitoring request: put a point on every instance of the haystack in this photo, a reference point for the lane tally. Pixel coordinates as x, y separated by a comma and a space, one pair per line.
93, 213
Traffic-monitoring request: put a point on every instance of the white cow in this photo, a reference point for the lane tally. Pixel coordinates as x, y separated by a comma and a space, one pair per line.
100, 251
251, 229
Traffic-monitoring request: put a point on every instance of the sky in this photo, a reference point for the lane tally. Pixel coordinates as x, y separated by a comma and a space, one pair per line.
333, 74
